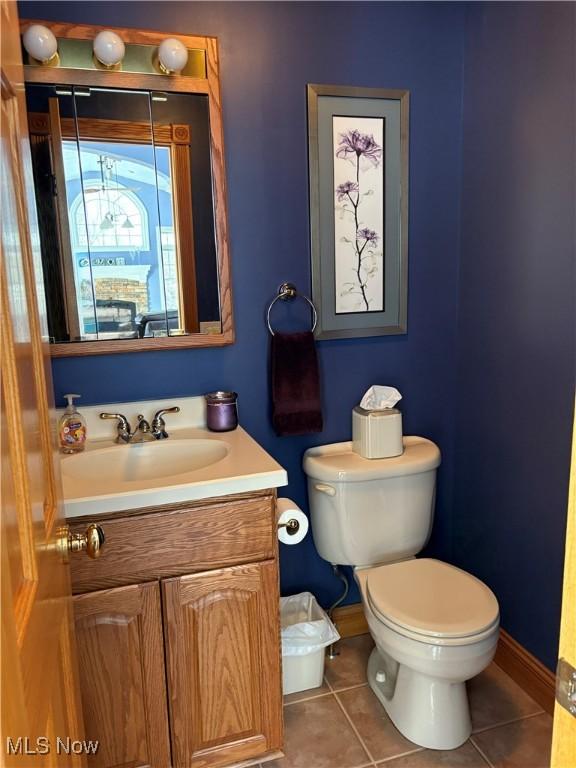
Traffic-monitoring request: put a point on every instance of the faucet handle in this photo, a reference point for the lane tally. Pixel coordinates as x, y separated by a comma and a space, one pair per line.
158, 423
123, 426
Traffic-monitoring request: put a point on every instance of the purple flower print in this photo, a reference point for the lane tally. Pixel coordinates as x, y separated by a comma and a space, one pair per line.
368, 235
344, 190
359, 144
354, 145
364, 238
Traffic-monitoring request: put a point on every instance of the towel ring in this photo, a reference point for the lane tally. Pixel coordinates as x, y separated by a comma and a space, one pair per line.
287, 292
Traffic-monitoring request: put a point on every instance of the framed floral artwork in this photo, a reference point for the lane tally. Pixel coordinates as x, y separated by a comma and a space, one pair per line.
358, 161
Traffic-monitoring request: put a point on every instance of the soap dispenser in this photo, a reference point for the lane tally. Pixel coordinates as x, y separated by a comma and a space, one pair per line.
71, 428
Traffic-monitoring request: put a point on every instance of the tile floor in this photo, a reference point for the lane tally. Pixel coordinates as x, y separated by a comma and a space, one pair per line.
342, 724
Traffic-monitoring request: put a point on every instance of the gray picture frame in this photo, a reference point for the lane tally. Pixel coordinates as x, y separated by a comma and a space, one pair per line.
325, 102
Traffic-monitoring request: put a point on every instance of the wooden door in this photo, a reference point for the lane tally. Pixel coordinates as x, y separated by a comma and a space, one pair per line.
564, 735
40, 711
222, 633
122, 676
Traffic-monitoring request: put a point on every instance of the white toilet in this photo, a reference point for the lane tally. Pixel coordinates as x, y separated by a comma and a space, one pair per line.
434, 625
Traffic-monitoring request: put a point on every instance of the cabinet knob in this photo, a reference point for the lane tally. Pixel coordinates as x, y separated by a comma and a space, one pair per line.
91, 541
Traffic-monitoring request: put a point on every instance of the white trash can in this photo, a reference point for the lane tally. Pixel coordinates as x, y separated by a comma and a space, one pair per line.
306, 632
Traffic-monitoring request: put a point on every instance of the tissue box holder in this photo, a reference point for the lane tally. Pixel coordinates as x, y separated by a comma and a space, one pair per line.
377, 434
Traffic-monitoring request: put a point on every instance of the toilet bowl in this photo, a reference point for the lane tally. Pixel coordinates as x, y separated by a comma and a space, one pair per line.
434, 625
426, 647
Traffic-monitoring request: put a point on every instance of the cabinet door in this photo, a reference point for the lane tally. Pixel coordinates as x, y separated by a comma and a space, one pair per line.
223, 654
122, 676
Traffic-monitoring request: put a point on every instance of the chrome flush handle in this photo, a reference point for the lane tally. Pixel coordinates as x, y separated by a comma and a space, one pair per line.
325, 488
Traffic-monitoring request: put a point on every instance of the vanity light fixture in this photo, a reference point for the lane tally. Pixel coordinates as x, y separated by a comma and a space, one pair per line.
109, 49
172, 55
40, 43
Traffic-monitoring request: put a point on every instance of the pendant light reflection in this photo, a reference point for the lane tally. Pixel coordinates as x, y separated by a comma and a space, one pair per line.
108, 221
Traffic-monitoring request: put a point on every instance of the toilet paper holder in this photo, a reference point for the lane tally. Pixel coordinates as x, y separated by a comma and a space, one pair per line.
292, 526
291, 522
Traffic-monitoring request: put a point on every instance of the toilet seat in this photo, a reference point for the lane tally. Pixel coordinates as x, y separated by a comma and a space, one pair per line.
431, 601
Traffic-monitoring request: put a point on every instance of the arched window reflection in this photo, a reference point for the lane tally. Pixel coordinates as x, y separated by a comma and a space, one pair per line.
116, 220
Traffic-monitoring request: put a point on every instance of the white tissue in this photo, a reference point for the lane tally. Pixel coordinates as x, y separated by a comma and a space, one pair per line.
378, 398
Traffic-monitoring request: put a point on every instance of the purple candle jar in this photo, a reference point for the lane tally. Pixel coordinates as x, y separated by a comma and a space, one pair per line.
221, 411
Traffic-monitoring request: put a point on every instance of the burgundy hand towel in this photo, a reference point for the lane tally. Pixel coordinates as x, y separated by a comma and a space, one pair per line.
296, 407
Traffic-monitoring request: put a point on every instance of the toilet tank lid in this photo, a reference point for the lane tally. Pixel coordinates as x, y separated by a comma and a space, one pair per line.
338, 462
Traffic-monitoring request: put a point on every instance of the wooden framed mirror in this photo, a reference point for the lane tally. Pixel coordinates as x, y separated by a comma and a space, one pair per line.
130, 187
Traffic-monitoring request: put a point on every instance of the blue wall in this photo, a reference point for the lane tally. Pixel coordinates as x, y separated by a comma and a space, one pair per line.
487, 367
516, 333
268, 54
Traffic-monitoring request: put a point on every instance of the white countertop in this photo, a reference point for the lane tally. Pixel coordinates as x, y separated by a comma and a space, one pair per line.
245, 466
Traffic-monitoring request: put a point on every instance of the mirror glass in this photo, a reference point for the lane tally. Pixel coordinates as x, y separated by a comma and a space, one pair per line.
123, 185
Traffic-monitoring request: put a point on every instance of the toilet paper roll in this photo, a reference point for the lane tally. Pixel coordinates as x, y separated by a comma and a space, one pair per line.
288, 514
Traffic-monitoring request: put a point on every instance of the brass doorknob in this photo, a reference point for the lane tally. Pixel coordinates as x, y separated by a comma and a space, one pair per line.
91, 541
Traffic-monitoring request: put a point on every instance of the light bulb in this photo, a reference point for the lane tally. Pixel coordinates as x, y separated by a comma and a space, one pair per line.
40, 43
172, 55
109, 48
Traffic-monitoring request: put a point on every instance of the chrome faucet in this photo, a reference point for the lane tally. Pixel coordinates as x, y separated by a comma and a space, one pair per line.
143, 432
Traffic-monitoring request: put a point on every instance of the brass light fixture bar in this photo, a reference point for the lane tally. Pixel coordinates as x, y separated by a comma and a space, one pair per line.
138, 59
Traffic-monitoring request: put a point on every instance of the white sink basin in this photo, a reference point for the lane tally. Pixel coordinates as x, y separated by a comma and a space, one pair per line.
192, 464
137, 462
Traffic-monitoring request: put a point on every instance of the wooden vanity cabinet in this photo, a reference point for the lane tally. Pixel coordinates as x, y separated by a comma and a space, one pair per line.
223, 664
122, 675
182, 670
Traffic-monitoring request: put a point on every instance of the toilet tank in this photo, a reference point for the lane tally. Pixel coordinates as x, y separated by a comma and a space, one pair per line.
369, 511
